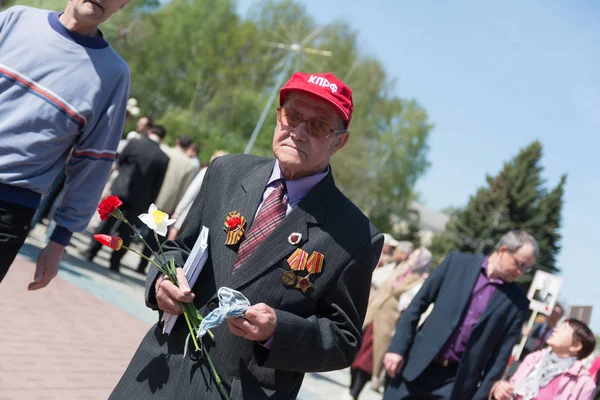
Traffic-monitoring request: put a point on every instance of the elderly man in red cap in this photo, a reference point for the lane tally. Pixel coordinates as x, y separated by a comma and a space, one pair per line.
303, 259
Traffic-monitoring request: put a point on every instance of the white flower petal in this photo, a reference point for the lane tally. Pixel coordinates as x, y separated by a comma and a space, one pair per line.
161, 229
152, 208
170, 221
148, 220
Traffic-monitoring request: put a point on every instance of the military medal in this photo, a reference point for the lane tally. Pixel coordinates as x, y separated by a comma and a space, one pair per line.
294, 238
234, 225
297, 262
314, 265
288, 278
304, 284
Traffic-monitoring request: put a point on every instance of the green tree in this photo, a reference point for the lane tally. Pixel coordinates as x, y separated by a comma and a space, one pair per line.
514, 199
56, 5
200, 69
387, 150
549, 235
408, 228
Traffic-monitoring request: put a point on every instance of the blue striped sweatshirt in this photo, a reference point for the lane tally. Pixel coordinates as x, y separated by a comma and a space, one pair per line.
61, 94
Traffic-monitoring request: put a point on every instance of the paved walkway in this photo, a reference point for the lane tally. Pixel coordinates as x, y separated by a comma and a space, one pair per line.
60, 343
73, 339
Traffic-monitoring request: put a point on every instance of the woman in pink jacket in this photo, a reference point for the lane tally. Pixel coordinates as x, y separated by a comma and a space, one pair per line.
555, 373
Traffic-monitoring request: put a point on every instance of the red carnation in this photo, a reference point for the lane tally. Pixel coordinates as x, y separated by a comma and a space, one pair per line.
234, 222
114, 242
108, 206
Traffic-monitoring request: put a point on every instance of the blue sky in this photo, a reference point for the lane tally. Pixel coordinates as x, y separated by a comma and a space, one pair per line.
494, 76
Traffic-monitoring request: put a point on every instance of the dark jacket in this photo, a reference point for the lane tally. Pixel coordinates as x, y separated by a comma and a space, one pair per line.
141, 166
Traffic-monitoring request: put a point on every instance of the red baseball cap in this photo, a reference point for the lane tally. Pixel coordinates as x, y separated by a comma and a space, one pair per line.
325, 86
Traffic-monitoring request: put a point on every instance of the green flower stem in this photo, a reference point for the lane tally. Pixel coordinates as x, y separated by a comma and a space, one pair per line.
160, 249
155, 254
199, 318
161, 269
210, 334
118, 214
184, 306
187, 319
216, 376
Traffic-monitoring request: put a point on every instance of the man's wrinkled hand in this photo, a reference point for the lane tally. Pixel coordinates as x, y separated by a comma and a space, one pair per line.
258, 324
502, 390
393, 363
47, 264
168, 296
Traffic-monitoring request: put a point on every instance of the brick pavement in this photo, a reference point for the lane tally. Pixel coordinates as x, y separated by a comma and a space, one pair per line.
59, 343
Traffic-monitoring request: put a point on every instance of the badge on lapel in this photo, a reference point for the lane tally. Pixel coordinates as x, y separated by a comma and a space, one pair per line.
234, 225
294, 238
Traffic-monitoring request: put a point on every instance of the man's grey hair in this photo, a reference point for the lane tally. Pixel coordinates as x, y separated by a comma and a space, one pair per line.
516, 239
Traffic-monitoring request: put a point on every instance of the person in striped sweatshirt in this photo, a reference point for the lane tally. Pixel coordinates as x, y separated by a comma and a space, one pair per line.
63, 90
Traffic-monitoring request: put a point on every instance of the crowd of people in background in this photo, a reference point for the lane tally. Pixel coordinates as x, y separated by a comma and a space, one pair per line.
438, 339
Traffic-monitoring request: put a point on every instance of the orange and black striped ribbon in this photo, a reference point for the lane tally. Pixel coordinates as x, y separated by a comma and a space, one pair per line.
234, 235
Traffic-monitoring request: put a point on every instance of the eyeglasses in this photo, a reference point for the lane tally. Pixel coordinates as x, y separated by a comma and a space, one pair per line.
520, 264
316, 128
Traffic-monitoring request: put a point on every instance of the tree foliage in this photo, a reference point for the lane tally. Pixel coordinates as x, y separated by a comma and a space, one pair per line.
514, 199
202, 70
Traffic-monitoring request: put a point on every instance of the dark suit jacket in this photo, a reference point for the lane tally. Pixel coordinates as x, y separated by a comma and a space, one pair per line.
498, 329
142, 166
316, 331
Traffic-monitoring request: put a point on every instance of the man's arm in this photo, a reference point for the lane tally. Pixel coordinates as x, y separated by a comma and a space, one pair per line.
89, 168
330, 338
407, 324
499, 358
87, 172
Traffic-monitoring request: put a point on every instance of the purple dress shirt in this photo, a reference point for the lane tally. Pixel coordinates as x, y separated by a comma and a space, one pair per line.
480, 297
296, 190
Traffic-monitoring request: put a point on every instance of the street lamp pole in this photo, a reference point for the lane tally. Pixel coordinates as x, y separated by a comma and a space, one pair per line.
295, 50
263, 116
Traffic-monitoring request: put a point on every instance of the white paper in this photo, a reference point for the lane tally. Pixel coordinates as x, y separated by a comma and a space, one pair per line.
543, 292
193, 266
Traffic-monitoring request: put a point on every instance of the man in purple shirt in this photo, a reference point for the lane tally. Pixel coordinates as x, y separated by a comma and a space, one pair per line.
463, 347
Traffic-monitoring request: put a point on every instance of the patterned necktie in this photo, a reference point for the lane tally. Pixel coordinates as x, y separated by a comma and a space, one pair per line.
270, 215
